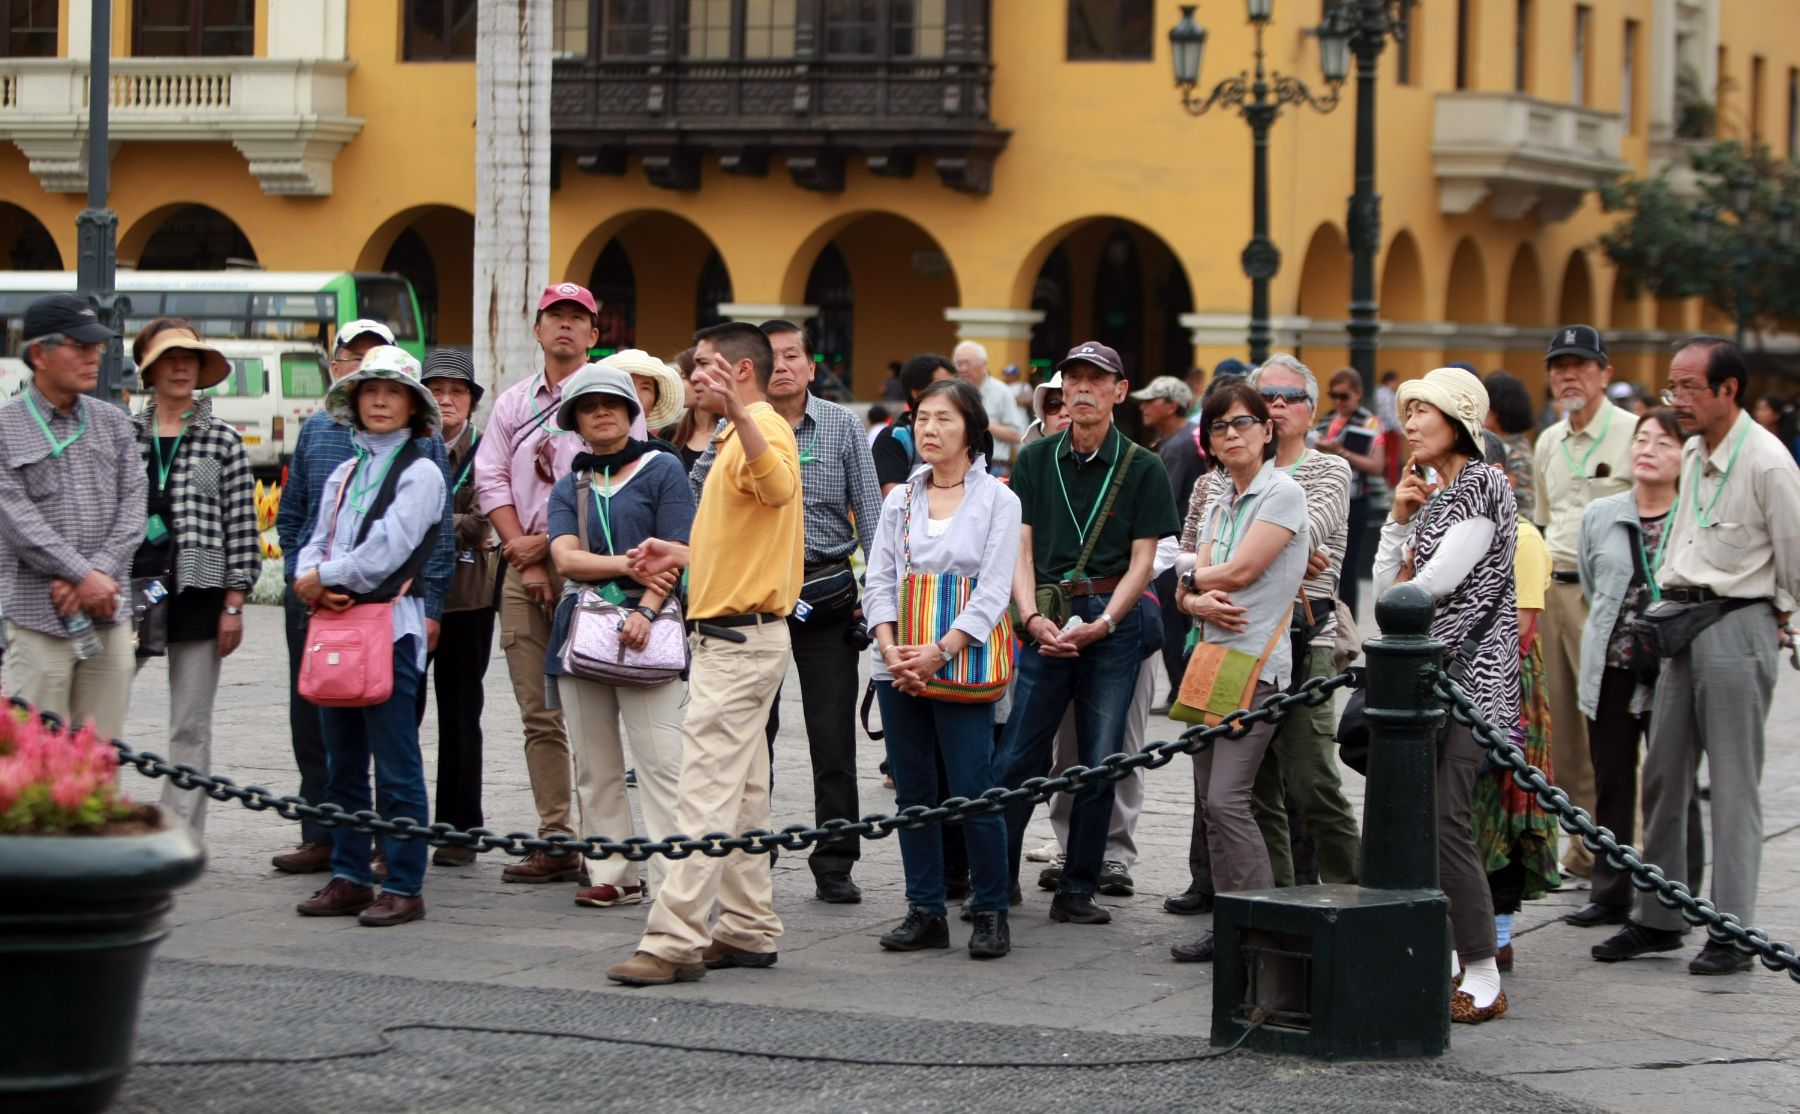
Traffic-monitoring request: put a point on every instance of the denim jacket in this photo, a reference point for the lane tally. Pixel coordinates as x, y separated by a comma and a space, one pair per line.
1608, 558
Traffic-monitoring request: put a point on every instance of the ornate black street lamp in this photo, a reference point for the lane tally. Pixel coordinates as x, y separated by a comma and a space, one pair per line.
1259, 97
1365, 25
97, 227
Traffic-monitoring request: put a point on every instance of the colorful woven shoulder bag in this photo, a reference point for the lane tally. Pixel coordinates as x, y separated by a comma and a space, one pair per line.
929, 605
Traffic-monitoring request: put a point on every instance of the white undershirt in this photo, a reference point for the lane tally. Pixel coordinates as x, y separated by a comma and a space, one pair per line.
1463, 546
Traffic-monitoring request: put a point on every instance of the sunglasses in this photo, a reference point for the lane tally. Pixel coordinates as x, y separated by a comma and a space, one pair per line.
1053, 406
1242, 423
1292, 396
1341, 396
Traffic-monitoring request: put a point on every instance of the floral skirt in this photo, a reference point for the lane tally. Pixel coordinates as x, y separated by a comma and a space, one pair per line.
1514, 835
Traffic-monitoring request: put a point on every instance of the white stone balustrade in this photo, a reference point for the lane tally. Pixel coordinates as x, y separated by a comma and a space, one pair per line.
1522, 152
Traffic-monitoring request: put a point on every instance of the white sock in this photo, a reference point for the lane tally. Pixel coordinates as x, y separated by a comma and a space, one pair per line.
1481, 981
1455, 964
1502, 929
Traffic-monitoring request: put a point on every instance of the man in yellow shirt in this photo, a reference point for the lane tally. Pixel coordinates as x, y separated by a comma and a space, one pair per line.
746, 546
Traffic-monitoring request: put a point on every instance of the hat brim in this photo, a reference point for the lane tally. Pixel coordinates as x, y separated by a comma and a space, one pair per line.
565, 411
90, 333
476, 390
1576, 350
214, 367
671, 399
340, 401
1443, 401
1072, 361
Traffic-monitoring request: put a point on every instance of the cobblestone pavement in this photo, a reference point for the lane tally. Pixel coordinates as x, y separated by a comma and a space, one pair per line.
242, 978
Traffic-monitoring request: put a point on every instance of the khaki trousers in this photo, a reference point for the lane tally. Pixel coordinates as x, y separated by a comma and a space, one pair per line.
43, 670
525, 637
1565, 614
193, 684
724, 788
653, 725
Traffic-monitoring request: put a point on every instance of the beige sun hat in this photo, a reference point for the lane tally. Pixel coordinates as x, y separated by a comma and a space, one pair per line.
671, 394
383, 362
214, 367
1453, 391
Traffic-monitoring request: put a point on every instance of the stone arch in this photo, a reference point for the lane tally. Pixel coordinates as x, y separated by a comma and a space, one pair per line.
1575, 300
1324, 289
25, 243
653, 273
433, 246
1525, 288
1465, 291
1402, 289
185, 236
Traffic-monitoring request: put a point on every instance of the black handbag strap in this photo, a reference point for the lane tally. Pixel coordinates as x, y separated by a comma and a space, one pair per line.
1112, 495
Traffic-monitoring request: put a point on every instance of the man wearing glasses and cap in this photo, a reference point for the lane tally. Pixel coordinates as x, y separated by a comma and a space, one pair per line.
1582, 458
520, 458
322, 445
72, 497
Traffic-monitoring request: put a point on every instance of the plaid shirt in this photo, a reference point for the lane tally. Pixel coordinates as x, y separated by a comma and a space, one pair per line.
324, 443
64, 516
214, 501
837, 479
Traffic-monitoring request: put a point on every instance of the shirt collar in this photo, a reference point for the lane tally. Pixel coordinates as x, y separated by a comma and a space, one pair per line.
1257, 482
1112, 442
812, 411
1720, 458
1593, 428
979, 468
46, 407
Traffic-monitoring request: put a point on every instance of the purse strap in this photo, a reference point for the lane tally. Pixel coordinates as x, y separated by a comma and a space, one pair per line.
331, 526
1112, 495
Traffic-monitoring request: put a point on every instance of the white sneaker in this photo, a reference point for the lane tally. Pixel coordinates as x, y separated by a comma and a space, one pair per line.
1048, 853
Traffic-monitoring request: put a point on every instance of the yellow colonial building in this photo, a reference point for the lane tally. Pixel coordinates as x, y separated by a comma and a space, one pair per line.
905, 173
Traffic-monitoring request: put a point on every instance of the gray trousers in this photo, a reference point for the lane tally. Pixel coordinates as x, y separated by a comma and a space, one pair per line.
193, 683
1460, 872
1712, 698
1302, 762
1225, 774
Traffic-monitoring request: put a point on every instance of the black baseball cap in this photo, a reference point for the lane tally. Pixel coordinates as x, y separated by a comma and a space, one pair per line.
1093, 352
1577, 340
66, 314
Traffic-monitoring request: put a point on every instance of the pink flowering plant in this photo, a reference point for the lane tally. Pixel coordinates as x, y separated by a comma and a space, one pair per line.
54, 781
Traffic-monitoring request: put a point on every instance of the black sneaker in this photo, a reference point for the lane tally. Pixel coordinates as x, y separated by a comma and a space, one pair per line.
1115, 880
991, 938
1634, 940
1014, 897
1719, 959
1051, 876
836, 888
918, 931
1189, 903
1073, 908
1196, 951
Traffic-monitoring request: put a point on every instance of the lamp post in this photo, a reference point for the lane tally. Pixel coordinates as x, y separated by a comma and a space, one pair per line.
1366, 25
1258, 96
97, 227
1749, 249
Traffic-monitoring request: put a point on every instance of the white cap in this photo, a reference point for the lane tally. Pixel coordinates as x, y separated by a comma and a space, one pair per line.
362, 325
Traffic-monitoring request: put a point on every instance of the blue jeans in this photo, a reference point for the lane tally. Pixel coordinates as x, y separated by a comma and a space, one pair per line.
918, 729
1100, 681
389, 733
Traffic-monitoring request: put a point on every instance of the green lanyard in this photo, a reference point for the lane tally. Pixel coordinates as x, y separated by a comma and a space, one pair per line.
1104, 484
359, 492
604, 510
1652, 566
1295, 467
1704, 515
807, 456
163, 468
537, 412
1237, 526
1581, 473
57, 446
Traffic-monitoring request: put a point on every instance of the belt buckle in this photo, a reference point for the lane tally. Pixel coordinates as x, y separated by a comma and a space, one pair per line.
1086, 583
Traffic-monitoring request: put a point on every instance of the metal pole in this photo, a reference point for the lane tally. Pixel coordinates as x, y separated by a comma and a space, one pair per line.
1261, 259
97, 227
1364, 221
1399, 841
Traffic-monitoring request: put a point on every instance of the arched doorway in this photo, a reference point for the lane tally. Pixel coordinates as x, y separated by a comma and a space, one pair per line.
1575, 305
25, 244
1325, 296
614, 285
194, 238
1053, 296
714, 291
433, 246
831, 336
1466, 305
657, 277
1402, 298
1525, 306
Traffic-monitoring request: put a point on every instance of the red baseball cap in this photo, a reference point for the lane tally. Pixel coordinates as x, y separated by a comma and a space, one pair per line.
568, 292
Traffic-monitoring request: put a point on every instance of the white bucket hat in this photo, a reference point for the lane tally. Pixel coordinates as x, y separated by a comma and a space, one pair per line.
1453, 391
383, 362
596, 379
1038, 392
671, 394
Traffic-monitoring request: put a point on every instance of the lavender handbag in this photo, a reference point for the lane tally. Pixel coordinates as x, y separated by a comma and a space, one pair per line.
594, 651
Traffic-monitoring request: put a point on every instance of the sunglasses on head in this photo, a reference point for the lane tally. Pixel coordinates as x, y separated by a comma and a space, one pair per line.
1290, 395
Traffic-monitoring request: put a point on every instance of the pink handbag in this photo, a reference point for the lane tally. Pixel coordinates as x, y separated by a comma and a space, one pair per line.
349, 660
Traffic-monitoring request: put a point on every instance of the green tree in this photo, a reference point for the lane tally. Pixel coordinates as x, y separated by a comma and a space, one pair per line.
1742, 262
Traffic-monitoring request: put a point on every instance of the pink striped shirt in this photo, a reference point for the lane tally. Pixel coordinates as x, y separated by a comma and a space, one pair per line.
506, 473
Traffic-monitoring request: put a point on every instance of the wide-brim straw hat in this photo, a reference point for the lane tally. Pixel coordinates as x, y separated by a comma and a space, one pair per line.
394, 365
1455, 392
214, 367
671, 394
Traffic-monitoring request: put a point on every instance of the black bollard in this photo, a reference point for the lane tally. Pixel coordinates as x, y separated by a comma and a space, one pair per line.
1338, 972
1399, 844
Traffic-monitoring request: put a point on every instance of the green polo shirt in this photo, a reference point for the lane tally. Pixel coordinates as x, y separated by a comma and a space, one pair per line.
1058, 493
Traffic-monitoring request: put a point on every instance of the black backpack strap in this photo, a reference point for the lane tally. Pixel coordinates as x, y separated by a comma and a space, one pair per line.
384, 498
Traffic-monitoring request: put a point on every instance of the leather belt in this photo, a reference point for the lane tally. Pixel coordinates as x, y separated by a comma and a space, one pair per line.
1566, 577
1089, 586
720, 626
1691, 595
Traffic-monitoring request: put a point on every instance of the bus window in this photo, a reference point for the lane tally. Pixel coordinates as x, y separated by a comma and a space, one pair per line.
247, 380
388, 299
302, 376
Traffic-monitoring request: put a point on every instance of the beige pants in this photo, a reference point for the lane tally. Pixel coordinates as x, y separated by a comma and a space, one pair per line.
653, 724
193, 684
1565, 614
43, 670
525, 637
724, 788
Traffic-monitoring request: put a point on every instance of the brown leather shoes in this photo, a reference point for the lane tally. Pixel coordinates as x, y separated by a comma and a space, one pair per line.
392, 909
719, 955
378, 865
644, 969
308, 858
541, 866
339, 898
453, 856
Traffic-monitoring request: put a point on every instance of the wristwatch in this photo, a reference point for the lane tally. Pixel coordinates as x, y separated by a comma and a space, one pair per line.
230, 610
1111, 627
646, 611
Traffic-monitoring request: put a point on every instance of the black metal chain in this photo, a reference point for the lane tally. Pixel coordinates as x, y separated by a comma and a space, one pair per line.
1723, 927
1313, 692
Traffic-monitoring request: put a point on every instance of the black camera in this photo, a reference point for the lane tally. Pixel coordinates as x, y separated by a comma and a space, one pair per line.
857, 634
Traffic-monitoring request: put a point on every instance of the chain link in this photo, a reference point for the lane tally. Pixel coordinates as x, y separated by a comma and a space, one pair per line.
796, 837
1723, 927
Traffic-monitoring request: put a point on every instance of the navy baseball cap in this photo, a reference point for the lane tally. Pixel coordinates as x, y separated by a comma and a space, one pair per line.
1577, 340
68, 315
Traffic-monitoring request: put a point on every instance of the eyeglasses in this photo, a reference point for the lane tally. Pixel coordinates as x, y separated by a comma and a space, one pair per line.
1341, 396
1292, 396
1685, 390
1241, 423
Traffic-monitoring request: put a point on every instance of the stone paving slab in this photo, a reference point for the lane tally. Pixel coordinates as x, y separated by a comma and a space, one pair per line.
1600, 1034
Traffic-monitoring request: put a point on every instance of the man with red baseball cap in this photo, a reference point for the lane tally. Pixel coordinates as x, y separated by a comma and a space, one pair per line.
521, 455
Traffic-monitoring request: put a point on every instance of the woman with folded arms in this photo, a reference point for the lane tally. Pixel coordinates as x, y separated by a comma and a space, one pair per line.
950, 516
1453, 531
